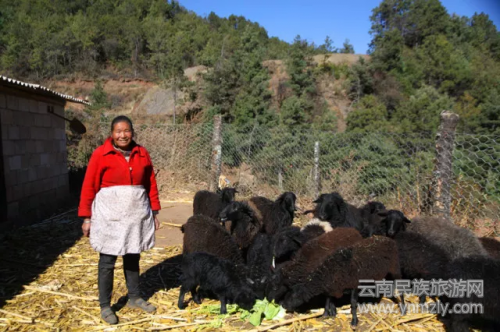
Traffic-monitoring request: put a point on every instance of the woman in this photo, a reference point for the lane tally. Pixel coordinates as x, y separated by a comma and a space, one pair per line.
119, 203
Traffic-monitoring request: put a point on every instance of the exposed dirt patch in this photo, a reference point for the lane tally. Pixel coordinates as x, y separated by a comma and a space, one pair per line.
339, 58
142, 97
172, 213
193, 73
160, 101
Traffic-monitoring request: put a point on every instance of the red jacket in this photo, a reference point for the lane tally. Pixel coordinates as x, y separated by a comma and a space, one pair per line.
108, 167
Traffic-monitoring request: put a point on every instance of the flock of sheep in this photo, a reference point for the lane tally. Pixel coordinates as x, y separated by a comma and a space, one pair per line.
240, 251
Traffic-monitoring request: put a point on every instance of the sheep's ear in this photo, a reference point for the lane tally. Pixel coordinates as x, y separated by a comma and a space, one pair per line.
290, 203
406, 220
250, 281
341, 205
383, 213
250, 212
319, 199
297, 240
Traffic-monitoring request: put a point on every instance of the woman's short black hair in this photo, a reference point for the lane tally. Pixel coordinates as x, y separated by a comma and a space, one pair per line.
122, 118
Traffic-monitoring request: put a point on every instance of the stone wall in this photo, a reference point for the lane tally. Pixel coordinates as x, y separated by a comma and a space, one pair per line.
34, 156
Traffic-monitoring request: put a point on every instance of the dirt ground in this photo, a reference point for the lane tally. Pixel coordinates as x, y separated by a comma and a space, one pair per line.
172, 213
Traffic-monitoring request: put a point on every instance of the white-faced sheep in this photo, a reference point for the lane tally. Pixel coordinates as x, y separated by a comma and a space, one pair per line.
218, 276
456, 241
211, 204
277, 214
202, 234
475, 268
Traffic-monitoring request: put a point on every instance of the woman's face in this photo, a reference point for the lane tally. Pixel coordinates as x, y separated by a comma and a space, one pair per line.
122, 135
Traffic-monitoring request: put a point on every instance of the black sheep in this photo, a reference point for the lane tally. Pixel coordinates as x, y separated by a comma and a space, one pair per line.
312, 254
456, 241
211, 204
268, 252
334, 209
259, 262
216, 275
492, 246
286, 242
202, 234
244, 222
371, 208
373, 258
387, 223
475, 268
419, 258
277, 214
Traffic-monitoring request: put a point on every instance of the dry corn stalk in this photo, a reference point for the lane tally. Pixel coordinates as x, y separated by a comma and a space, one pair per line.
46, 294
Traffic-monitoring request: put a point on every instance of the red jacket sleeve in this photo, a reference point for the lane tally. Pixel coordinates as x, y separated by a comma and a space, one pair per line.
153, 189
91, 184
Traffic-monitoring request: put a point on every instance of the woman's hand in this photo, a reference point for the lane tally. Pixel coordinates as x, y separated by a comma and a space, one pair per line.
157, 223
86, 227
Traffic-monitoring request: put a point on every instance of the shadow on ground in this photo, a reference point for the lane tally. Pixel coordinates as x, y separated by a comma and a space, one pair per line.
27, 252
162, 276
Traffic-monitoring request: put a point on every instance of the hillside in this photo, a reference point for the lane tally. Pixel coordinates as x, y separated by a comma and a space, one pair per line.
141, 50
147, 99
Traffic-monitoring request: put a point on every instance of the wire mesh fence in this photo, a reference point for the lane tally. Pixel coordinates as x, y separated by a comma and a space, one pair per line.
395, 169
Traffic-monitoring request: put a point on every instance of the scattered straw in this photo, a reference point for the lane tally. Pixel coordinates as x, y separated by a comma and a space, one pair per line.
163, 328
16, 315
375, 324
94, 318
50, 283
289, 321
61, 294
173, 225
124, 324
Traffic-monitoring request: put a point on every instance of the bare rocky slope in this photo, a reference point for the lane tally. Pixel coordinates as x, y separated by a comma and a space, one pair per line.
147, 99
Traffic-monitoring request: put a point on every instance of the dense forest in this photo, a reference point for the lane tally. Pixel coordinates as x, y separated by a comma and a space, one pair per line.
423, 60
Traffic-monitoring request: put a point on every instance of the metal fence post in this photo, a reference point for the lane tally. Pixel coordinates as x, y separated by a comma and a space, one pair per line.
317, 185
216, 153
442, 176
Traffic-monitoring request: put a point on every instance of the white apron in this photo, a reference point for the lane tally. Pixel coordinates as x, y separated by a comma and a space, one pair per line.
122, 221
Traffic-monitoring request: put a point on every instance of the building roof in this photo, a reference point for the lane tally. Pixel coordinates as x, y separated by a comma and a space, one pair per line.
41, 89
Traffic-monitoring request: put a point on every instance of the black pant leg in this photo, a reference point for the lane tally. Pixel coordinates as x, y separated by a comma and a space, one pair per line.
106, 269
131, 271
